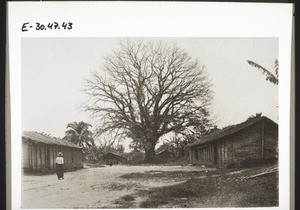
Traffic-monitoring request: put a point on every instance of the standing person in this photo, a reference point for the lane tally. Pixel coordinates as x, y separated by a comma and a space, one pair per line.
59, 166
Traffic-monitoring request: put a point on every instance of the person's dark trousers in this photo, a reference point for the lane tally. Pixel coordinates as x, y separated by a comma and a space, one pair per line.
59, 171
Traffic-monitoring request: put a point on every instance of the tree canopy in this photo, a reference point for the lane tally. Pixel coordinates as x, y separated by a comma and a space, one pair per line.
149, 90
79, 134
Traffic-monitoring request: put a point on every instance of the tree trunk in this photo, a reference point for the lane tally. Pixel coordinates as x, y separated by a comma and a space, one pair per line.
150, 154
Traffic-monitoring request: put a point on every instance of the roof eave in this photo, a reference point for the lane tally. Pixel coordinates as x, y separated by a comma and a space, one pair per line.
40, 142
225, 135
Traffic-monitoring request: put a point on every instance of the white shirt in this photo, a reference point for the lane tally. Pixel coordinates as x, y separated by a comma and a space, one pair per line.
59, 160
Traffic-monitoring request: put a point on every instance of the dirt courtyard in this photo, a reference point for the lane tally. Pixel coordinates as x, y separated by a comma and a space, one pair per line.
92, 187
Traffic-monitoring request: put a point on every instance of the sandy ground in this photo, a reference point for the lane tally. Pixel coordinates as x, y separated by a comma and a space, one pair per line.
89, 187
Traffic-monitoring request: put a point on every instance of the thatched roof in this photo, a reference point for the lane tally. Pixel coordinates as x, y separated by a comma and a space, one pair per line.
46, 139
229, 130
109, 154
163, 151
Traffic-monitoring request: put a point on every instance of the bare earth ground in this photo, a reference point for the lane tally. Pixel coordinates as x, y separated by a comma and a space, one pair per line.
95, 187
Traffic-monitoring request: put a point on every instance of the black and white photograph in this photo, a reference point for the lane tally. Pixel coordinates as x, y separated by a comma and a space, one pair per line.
169, 110
149, 122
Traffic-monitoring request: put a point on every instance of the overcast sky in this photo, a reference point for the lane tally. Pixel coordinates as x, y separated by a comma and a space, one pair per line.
54, 70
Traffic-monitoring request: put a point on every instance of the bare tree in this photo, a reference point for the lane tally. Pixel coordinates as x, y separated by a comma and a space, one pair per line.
149, 90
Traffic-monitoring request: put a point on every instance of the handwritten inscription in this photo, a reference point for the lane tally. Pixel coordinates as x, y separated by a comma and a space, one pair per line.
48, 26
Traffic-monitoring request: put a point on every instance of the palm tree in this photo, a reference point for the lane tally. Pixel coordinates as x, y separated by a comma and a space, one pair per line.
269, 76
79, 134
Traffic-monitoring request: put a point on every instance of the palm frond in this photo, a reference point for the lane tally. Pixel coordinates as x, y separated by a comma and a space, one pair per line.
269, 76
276, 67
79, 134
70, 131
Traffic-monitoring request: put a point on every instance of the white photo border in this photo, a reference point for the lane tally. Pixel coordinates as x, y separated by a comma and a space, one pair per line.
153, 19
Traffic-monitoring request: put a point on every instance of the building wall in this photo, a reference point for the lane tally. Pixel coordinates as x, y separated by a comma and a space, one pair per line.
222, 148
40, 157
25, 155
52, 157
243, 146
271, 142
204, 154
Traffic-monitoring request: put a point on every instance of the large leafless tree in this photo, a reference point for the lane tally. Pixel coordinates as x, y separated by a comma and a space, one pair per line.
149, 90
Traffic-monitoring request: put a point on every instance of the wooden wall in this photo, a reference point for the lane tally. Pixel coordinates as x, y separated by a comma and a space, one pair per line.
205, 154
245, 145
40, 157
25, 156
271, 142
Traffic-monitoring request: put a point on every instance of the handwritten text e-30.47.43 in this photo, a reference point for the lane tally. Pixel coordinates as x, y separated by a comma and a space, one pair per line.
48, 26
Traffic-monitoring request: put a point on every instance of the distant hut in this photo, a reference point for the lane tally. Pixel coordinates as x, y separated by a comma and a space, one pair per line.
253, 141
164, 155
113, 158
40, 151
135, 157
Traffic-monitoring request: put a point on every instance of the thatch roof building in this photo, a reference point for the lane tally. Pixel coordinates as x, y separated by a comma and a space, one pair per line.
114, 158
164, 155
40, 151
255, 140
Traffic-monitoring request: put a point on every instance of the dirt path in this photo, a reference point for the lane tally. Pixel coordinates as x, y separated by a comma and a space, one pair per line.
89, 187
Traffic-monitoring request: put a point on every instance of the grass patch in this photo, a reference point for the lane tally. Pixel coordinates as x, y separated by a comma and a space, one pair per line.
119, 186
172, 174
128, 198
225, 190
126, 201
